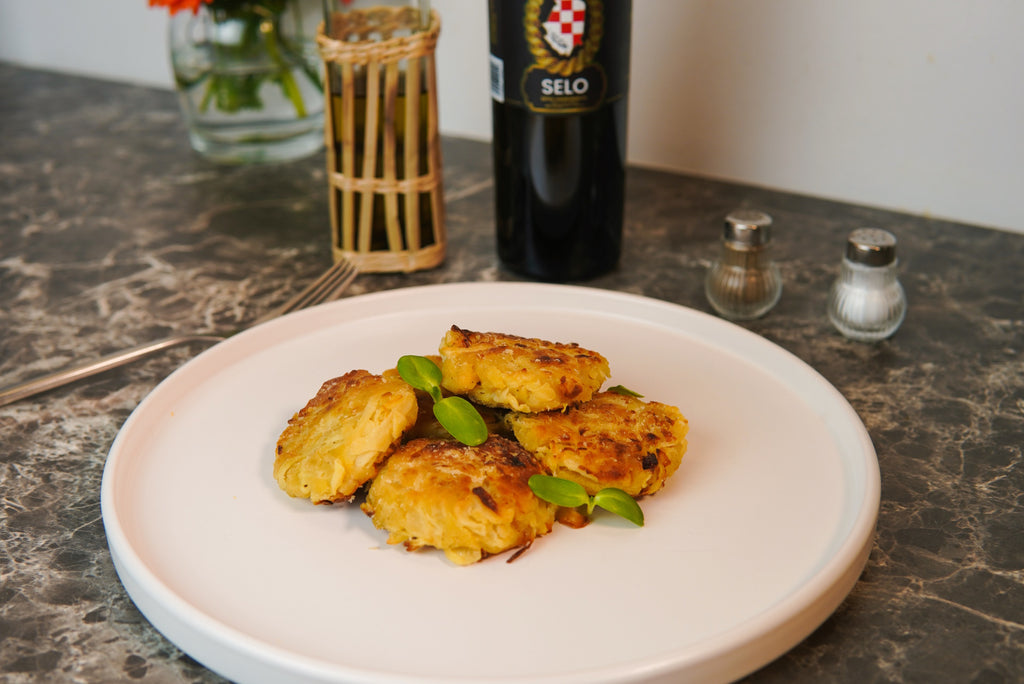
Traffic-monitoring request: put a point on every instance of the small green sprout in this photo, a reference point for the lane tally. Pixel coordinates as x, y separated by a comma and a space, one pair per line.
456, 415
562, 492
619, 389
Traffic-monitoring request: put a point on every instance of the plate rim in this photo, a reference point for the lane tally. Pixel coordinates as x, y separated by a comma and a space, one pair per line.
248, 659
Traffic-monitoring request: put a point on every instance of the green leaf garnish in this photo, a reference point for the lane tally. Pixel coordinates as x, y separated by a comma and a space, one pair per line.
461, 419
562, 492
422, 373
620, 503
456, 415
559, 491
619, 389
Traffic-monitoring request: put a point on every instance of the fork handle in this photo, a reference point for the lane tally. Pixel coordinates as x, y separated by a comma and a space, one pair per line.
60, 378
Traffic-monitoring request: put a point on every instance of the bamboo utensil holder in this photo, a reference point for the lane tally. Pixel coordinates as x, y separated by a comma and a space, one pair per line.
383, 148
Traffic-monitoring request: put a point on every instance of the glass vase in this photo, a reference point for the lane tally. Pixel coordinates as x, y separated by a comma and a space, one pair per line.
248, 76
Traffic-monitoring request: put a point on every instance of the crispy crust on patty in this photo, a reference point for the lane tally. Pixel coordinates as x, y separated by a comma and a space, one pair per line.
337, 441
613, 440
469, 502
518, 373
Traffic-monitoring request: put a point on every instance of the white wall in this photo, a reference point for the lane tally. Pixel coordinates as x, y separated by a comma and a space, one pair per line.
914, 105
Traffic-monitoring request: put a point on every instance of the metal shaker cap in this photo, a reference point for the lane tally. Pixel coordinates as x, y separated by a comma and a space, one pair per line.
871, 247
748, 228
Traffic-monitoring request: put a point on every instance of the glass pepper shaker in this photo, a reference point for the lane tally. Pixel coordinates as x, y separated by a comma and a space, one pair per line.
867, 302
744, 283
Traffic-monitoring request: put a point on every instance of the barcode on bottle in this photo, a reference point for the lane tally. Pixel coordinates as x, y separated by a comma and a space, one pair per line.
497, 78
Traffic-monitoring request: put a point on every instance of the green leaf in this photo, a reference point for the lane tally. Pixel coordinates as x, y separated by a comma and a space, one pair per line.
620, 503
422, 373
559, 491
619, 389
456, 415
461, 419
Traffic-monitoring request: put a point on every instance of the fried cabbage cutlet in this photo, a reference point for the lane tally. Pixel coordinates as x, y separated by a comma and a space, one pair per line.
336, 443
518, 373
469, 502
613, 440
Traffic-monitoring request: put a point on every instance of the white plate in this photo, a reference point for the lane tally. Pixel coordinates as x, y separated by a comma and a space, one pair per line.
751, 545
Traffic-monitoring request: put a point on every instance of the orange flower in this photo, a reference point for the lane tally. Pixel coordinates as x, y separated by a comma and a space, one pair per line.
176, 5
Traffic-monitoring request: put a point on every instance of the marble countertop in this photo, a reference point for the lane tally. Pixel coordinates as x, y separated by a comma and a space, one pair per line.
113, 232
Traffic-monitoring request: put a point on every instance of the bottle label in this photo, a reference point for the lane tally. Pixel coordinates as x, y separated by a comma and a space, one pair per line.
559, 56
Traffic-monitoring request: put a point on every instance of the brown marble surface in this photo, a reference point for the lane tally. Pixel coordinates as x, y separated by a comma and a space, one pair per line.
112, 233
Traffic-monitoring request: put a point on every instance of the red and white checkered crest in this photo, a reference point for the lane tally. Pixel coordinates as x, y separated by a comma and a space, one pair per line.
564, 26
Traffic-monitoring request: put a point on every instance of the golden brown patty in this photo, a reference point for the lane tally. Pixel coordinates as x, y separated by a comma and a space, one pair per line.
518, 373
336, 443
470, 502
612, 440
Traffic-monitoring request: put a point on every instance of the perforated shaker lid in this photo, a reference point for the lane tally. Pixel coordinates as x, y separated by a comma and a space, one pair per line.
748, 227
871, 247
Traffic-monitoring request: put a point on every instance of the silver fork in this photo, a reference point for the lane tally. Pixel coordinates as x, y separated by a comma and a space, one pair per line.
328, 286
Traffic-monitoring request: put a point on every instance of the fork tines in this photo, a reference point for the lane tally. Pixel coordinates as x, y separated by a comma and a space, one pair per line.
327, 287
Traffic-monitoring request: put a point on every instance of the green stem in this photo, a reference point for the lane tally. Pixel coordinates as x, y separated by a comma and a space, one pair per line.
207, 96
288, 84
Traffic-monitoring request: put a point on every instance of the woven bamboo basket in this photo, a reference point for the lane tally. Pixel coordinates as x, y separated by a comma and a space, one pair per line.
383, 147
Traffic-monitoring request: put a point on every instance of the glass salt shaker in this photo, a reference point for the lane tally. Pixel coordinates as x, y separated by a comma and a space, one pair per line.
867, 302
744, 283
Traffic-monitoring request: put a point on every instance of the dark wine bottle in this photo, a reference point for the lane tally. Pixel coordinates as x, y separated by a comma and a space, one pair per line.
559, 84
